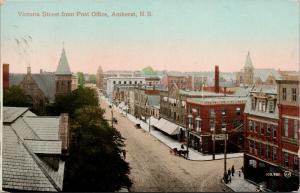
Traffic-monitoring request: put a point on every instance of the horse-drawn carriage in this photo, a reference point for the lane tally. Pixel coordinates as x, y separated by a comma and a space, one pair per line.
179, 152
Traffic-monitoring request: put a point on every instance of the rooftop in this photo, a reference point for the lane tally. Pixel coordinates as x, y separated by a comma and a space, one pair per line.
24, 147
218, 100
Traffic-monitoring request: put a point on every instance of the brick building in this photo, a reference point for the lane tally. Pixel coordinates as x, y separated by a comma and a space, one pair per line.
215, 112
271, 133
183, 82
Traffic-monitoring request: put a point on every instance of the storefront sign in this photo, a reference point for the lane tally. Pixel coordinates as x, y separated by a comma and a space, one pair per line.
220, 137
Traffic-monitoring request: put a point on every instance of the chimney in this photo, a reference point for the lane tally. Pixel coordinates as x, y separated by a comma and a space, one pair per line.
217, 79
64, 131
5, 76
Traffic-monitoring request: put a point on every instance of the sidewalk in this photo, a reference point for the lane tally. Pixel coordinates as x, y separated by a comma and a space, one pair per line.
193, 155
239, 184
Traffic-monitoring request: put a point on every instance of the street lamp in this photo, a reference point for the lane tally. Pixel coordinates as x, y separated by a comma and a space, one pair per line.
112, 116
190, 117
225, 153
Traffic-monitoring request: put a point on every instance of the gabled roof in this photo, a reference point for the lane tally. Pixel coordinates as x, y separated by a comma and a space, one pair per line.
45, 81
23, 149
264, 73
63, 65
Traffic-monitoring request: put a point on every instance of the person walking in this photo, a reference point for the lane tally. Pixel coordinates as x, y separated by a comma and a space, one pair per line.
229, 179
229, 172
242, 168
124, 153
239, 173
232, 170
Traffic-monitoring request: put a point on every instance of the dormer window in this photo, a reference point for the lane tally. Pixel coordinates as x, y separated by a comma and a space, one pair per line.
253, 103
271, 106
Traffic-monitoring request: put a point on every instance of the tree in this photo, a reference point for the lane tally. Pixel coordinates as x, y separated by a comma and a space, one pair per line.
94, 163
81, 79
14, 96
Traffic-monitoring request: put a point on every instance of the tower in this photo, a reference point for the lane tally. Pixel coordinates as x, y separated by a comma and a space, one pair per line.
248, 71
63, 76
99, 78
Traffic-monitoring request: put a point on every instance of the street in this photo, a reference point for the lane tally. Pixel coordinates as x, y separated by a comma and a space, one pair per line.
154, 168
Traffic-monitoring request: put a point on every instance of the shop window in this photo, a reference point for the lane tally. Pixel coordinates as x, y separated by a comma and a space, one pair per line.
255, 126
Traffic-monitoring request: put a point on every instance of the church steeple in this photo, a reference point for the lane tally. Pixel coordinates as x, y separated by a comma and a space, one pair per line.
63, 66
248, 63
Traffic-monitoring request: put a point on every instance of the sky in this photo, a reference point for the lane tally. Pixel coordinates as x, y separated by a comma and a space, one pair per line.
189, 35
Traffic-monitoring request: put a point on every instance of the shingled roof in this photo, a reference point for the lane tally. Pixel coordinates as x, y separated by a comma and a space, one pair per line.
63, 66
45, 81
27, 138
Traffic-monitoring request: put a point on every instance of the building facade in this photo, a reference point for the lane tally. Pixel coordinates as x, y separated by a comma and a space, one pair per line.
183, 82
99, 78
111, 82
207, 116
271, 146
5, 76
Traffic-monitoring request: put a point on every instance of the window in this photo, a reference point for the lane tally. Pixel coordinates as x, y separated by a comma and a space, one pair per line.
253, 103
268, 130
271, 106
295, 129
254, 126
223, 112
119, 82
141, 82
268, 151
262, 151
125, 82
250, 125
274, 129
114, 82
294, 94
286, 159
238, 111
263, 106
135, 82
262, 129
286, 127
296, 163
274, 154
259, 105
284, 94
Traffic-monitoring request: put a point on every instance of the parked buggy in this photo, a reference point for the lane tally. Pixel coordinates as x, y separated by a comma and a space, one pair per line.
138, 126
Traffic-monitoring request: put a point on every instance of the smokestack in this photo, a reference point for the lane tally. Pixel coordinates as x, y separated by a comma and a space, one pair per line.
217, 79
5, 76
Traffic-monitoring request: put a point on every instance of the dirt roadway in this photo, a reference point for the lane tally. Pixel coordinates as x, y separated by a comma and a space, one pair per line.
153, 168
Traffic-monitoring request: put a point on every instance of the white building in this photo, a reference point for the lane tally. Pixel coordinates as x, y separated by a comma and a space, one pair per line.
130, 81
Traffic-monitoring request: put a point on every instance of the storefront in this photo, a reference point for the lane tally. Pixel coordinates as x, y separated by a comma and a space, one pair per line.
271, 176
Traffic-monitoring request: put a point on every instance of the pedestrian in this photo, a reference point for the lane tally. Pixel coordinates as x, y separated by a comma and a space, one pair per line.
229, 179
242, 168
232, 170
124, 153
229, 172
239, 173
182, 147
225, 178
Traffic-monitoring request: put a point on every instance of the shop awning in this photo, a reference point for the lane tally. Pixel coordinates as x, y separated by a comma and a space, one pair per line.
154, 121
168, 127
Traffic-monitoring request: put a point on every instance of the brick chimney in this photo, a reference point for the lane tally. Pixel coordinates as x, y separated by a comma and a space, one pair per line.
217, 88
5, 76
64, 131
